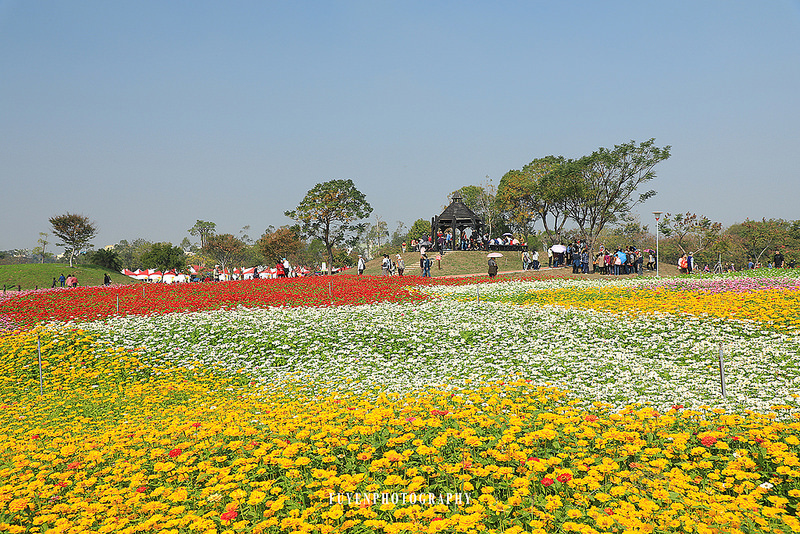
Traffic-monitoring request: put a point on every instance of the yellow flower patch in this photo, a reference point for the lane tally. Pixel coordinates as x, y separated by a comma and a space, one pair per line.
115, 445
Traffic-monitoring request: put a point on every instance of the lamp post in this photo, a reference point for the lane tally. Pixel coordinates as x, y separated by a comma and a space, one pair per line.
657, 215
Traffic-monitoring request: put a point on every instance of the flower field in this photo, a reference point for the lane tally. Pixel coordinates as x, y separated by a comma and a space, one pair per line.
403, 405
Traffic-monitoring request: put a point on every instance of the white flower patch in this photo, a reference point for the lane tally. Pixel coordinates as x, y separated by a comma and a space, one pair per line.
662, 360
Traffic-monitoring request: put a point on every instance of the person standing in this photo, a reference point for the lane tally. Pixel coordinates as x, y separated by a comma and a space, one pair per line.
492, 268
287, 267
690, 263
550, 257
777, 259
106, 280
361, 264
54, 282
639, 262
401, 265
62, 279
385, 264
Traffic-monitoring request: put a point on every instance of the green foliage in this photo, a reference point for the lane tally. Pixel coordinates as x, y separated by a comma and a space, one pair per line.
130, 254
420, 228
203, 229
690, 232
284, 242
33, 275
603, 187
537, 192
225, 249
106, 258
330, 211
75, 232
164, 256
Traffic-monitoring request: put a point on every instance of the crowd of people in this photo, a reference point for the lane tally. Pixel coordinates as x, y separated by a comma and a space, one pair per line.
67, 281
621, 261
467, 240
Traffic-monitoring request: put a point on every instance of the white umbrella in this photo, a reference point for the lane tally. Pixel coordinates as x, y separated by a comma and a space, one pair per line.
494, 255
559, 248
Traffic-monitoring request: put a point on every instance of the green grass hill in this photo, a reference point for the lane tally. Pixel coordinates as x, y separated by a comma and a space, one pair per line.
33, 275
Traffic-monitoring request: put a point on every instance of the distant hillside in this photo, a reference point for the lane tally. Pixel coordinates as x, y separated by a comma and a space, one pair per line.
457, 263
33, 275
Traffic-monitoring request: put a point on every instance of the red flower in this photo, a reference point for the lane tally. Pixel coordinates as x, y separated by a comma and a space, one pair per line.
35, 436
74, 465
174, 453
230, 515
141, 489
708, 441
547, 481
677, 406
439, 412
533, 459
591, 418
564, 478
196, 425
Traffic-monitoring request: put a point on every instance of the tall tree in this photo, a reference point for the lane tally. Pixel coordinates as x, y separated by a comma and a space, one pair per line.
602, 187
399, 234
690, 231
482, 200
758, 237
130, 254
164, 256
536, 192
330, 212
75, 231
419, 229
41, 249
203, 229
278, 244
377, 235
106, 258
225, 249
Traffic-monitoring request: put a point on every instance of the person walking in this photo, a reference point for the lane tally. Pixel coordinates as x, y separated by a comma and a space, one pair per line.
361, 264
425, 265
535, 260
62, 279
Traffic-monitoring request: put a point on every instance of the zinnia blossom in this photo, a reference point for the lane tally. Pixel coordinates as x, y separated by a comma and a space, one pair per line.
230, 515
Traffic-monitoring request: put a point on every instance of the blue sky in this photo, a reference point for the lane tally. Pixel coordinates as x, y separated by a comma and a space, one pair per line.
146, 116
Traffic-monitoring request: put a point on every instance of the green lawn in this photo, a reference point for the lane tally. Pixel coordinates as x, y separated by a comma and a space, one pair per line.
33, 275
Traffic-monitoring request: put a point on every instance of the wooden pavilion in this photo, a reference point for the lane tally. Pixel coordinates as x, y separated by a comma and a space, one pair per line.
456, 217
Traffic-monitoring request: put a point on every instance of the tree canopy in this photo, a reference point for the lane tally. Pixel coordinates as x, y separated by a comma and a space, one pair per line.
278, 244
330, 211
225, 249
75, 232
602, 187
164, 256
203, 229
